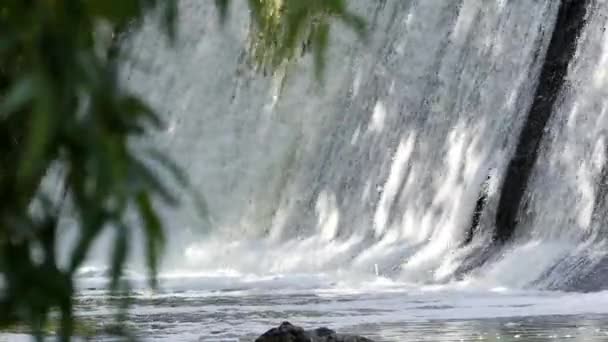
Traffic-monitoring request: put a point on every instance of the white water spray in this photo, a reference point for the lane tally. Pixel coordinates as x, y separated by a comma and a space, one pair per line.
383, 165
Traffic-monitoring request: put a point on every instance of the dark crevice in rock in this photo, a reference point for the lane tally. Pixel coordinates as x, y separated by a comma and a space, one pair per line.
570, 22
480, 205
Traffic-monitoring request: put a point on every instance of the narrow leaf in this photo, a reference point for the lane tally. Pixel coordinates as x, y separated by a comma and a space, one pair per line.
154, 236
222, 7
19, 95
119, 255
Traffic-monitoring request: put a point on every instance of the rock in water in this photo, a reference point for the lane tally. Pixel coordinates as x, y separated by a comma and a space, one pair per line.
288, 332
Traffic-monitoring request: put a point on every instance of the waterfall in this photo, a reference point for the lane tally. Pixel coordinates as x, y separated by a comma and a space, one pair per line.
378, 171
565, 218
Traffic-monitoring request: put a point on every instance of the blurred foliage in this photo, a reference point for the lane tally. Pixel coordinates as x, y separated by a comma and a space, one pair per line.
283, 28
67, 123
62, 108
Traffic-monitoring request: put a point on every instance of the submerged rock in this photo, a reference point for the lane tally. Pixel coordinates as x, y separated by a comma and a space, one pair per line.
288, 332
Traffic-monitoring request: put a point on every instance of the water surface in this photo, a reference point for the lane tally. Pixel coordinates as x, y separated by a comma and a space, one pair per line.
231, 307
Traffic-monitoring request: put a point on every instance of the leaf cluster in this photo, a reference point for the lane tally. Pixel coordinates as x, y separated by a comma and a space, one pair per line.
283, 29
62, 107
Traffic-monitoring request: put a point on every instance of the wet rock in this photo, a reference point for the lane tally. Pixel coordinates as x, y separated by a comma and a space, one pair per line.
571, 19
288, 332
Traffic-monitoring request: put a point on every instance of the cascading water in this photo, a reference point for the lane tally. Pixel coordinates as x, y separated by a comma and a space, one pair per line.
564, 224
379, 170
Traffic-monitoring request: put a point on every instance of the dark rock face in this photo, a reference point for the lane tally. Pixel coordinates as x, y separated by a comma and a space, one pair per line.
570, 22
287, 332
480, 205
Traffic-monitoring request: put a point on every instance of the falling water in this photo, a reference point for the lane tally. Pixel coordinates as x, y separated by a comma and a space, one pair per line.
563, 225
378, 170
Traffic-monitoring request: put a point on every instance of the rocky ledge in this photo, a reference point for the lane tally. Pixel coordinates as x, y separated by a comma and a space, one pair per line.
287, 332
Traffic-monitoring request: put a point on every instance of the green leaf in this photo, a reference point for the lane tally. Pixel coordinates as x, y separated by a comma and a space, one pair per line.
88, 233
116, 12
183, 180
143, 178
169, 16
154, 235
357, 23
39, 138
21, 93
222, 7
137, 108
256, 7
119, 255
6, 43
170, 165
320, 40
